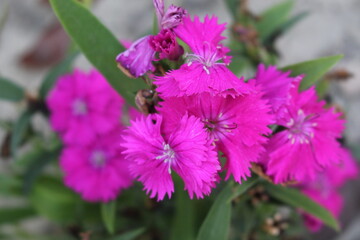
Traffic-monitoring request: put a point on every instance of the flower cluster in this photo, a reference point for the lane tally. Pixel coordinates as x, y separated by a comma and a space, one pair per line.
206, 111
86, 112
205, 121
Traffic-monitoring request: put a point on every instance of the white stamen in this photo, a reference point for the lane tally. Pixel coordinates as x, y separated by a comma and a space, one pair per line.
206, 70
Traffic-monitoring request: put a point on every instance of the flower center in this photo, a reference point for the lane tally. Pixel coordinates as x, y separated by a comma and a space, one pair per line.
79, 107
98, 159
168, 156
220, 126
301, 128
207, 56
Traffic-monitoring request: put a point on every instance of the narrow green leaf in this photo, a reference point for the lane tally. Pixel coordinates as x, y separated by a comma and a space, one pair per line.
232, 6
313, 69
130, 235
108, 213
55, 73
19, 130
15, 214
243, 187
10, 91
216, 225
183, 224
296, 199
97, 43
54, 201
9, 185
283, 28
273, 18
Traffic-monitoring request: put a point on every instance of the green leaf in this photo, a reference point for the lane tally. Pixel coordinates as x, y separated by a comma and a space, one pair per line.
243, 187
283, 28
98, 45
273, 18
313, 69
216, 225
39, 161
130, 235
232, 6
55, 73
53, 200
9, 185
296, 199
108, 213
10, 91
15, 214
20, 127
183, 224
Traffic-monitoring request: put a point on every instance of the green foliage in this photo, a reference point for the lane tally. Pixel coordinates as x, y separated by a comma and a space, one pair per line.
183, 223
97, 43
108, 213
19, 130
15, 214
130, 235
38, 161
216, 225
313, 69
56, 72
243, 187
274, 18
53, 200
10, 91
296, 199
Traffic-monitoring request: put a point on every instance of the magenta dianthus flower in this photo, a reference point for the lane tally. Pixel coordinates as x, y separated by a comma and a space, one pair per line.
97, 171
205, 70
276, 86
187, 150
236, 125
324, 189
82, 106
166, 45
137, 59
308, 142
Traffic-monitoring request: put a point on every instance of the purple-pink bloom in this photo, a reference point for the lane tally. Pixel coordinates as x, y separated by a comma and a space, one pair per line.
152, 156
83, 106
98, 170
308, 142
330, 200
205, 70
276, 86
137, 59
324, 189
236, 125
171, 18
166, 45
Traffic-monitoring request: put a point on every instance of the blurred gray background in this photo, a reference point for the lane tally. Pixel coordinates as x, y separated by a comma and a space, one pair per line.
332, 27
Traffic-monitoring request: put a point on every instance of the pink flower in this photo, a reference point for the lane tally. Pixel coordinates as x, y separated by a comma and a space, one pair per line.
186, 150
137, 59
205, 70
83, 106
324, 188
171, 18
166, 45
237, 125
331, 200
276, 86
308, 142
97, 171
